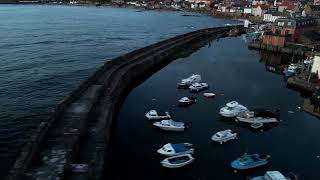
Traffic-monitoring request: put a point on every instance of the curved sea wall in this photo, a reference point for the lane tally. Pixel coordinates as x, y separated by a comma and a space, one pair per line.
79, 129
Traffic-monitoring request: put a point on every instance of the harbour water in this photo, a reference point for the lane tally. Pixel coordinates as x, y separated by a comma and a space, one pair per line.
234, 73
45, 51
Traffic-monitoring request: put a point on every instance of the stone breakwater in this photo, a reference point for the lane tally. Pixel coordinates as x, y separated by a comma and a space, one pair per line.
78, 130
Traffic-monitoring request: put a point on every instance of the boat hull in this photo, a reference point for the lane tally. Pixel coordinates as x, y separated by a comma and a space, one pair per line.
235, 164
223, 140
257, 120
166, 162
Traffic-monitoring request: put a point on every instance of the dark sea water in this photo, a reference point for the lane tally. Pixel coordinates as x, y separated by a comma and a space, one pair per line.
233, 73
45, 51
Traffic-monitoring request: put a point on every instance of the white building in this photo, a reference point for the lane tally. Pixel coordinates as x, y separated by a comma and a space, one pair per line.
316, 65
259, 10
247, 10
271, 17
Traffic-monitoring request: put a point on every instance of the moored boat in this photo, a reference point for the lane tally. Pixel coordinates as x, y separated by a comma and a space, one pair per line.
250, 161
153, 115
224, 136
170, 125
197, 87
232, 109
209, 95
176, 149
272, 175
233, 32
177, 161
259, 116
292, 70
187, 101
185, 83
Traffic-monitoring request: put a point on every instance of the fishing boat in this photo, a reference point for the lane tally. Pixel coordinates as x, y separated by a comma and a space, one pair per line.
258, 116
153, 115
176, 149
209, 95
185, 83
177, 161
170, 125
197, 87
187, 101
224, 136
250, 161
292, 70
232, 109
272, 175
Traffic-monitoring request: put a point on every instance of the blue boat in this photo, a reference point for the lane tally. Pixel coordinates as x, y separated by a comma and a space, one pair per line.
250, 161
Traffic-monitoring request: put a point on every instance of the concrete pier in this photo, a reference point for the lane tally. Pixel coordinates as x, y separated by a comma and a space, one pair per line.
78, 131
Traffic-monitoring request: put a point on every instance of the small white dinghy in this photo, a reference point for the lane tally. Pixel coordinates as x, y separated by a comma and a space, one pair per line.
177, 161
170, 125
176, 149
224, 136
209, 95
153, 115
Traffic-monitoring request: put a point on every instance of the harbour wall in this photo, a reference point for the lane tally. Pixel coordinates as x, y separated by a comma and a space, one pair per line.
300, 51
83, 119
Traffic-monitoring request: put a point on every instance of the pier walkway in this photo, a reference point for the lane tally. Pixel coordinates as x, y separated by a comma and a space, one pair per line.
78, 131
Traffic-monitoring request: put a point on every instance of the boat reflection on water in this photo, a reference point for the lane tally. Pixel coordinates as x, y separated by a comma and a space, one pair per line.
274, 63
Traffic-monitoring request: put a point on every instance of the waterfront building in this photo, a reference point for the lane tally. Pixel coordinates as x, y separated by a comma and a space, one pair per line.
316, 66
312, 10
247, 10
272, 16
260, 9
286, 30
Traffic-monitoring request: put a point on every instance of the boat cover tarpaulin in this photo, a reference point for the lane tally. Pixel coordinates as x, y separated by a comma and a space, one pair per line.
180, 147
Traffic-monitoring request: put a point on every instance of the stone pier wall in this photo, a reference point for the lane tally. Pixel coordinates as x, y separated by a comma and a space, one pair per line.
102, 93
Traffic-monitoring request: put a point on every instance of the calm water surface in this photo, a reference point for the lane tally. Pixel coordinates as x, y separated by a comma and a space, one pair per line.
233, 73
45, 51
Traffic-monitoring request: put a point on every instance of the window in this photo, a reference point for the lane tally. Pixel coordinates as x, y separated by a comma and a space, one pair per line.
289, 23
286, 32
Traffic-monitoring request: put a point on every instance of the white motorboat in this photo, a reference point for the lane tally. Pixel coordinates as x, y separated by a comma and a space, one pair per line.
177, 161
292, 69
187, 100
271, 175
209, 95
232, 109
176, 149
153, 115
307, 61
258, 116
170, 125
224, 136
185, 83
197, 87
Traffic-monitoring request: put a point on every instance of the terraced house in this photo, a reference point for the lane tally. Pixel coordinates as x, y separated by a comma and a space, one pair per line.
288, 30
